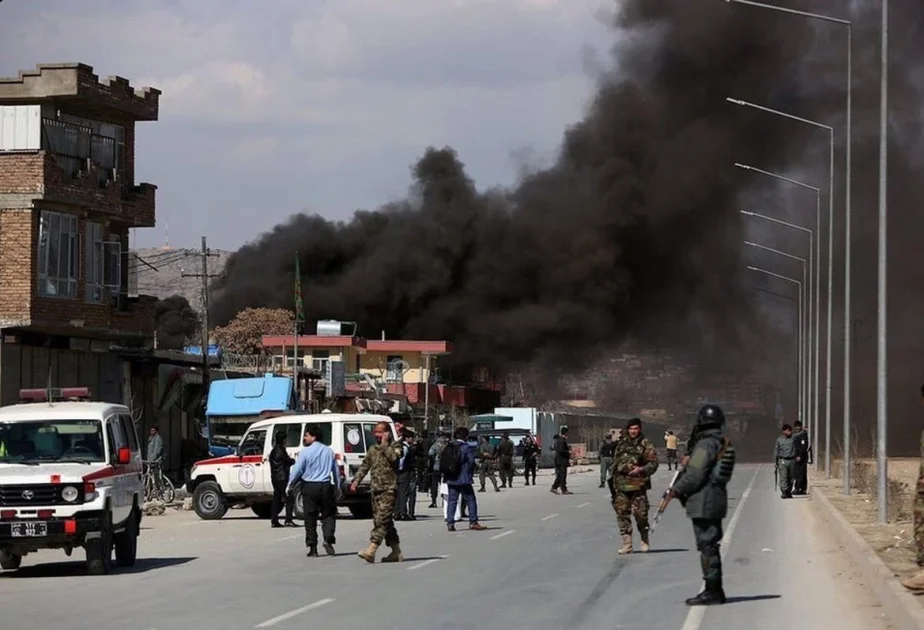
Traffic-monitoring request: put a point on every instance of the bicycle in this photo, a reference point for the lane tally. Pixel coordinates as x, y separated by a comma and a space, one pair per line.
156, 484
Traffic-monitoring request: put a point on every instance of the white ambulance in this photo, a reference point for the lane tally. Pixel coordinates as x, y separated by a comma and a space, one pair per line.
70, 476
244, 477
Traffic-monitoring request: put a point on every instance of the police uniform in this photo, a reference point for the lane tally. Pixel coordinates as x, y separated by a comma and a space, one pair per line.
784, 454
701, 488
800, 441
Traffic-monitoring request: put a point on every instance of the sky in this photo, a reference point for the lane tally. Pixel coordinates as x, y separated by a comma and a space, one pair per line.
274, 107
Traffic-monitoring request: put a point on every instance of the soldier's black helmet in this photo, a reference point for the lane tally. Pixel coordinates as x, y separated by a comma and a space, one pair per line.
710, 415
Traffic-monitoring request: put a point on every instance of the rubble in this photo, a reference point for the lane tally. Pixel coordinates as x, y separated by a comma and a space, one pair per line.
154, 508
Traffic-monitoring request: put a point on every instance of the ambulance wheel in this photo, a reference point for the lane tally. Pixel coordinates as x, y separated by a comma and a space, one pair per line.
361, 511
126, 542
10, 561
262, 510
209, 501
99, 551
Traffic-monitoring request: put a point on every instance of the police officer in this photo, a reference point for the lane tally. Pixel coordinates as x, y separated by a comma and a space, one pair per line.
606, 459
530, 458
487, 453
784, 454
505, 453
800, 441
701, 489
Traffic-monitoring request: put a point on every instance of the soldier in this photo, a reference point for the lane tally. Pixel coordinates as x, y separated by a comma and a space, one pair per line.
784, 454
701, 489
800, 441
530, 458
381, 461
916, 582
634, 462
505, 452
606, 459
487, 452
562, 461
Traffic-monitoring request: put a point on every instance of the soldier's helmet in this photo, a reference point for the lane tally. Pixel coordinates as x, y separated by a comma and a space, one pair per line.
710, 415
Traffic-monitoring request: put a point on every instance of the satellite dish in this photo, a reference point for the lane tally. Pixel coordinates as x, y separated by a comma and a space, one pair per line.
398, 366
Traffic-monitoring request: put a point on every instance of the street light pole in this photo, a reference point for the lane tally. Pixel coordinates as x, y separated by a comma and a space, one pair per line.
799, 284
806, 324
813, 237
830, 131
881, 367
817, 192
847, 237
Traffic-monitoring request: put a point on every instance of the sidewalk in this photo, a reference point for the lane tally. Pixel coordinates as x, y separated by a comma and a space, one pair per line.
884, 553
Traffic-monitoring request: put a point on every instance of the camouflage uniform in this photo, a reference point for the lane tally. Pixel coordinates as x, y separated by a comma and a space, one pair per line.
381, 462
916, 581
630, 493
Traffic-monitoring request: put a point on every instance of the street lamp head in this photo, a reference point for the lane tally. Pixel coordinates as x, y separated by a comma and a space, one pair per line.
744, 166
750, 214
736, 101
750, 244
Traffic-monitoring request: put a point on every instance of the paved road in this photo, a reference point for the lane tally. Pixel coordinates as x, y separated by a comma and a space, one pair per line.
548, 562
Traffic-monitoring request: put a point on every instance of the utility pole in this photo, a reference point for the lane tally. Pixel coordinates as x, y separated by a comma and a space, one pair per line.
205, 276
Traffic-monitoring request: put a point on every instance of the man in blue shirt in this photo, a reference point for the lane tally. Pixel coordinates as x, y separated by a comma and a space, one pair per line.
316, 469
461, 484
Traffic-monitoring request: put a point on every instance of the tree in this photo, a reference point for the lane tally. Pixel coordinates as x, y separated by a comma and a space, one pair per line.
244, 333
175, 322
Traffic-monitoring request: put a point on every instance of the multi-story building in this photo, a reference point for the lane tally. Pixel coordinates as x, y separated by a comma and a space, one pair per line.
68, 199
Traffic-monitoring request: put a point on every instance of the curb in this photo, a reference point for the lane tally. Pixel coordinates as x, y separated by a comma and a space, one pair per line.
898, 604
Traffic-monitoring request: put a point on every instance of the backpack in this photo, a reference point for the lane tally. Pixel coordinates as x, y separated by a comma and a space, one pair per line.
451, 461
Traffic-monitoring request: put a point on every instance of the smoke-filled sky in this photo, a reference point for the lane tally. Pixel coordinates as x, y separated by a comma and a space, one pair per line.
635, 230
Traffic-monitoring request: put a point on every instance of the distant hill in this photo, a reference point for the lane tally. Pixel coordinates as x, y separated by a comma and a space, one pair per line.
160, 271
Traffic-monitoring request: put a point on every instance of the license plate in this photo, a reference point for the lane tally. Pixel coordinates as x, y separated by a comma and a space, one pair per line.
28, 530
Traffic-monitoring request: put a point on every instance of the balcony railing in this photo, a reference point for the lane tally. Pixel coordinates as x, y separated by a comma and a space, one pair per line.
75, 147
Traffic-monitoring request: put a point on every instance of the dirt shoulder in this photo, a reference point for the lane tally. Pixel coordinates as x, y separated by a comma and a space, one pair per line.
892, 541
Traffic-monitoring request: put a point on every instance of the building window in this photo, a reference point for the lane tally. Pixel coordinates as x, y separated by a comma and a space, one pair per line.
57, 255
395, 365
74, 141
95, 262
112, 260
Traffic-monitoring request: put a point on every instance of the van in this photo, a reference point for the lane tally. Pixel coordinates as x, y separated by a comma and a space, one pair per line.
217, 484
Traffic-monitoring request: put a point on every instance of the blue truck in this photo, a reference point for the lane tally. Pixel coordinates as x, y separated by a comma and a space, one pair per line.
234, 404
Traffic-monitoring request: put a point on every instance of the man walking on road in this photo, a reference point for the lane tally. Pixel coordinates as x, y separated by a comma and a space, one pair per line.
530, 459
280, 465
606, 459
916, 582
505, 451
701, 488
803, 449
458, 466
487, 453
562, 460
380, 462
634, 462
670, 442
407, 476
784, 454
316, 469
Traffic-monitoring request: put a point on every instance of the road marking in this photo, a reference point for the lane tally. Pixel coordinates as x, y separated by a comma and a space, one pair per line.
294, 613
584, 504
426, 562
695, 616
550, 516
507, 533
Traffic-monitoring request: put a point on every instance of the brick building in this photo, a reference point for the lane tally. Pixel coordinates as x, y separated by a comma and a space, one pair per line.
68, 198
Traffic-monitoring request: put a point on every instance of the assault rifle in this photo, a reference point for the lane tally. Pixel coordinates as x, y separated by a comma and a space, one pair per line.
665, 499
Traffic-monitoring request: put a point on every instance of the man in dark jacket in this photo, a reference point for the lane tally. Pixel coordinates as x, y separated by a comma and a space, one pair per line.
407, 479
562, 460
505, 452
606, 459
280, 464
701, 489
800, 441
461, 483
530, 458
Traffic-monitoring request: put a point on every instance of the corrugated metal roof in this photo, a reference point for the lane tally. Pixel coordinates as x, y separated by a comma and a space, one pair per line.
249, 396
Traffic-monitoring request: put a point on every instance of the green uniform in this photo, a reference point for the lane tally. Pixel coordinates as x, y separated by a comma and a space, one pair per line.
381, 462
784, 453
630, 492
488, 468
919, 510
702, 491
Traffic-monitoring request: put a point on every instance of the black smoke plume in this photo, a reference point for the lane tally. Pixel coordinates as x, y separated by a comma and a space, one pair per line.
175, 321
635, 231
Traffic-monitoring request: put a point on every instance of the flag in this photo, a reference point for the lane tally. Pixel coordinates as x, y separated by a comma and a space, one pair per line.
299, 304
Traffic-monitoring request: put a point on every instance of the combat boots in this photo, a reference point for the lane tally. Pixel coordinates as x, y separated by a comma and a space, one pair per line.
626, 545
712, 595
915, 582
368, 554
395, 555
645, 545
